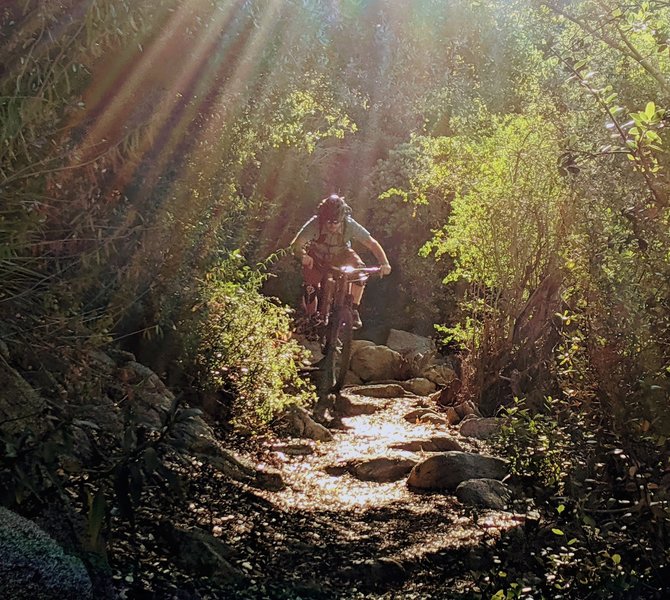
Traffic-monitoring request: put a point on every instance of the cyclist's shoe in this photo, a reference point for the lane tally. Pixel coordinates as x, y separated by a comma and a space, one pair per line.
356, 322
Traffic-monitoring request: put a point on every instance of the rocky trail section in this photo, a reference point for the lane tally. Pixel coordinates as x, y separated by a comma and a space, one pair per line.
376, 518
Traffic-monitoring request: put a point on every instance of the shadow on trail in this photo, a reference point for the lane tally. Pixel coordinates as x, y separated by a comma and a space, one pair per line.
425, 551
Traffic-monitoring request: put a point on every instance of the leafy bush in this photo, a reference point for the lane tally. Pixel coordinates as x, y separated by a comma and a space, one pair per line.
585, 536
536, 444
241, 341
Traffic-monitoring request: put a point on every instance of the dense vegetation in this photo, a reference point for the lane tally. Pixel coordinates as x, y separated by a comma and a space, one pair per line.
511, 156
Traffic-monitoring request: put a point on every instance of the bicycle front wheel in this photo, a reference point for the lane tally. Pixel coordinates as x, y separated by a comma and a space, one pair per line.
328, 379
346, 337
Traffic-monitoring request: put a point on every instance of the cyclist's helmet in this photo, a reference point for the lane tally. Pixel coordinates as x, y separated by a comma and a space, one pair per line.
332, 209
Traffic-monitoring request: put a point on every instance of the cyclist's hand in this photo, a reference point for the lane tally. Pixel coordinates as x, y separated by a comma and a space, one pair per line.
307, 261
385, 269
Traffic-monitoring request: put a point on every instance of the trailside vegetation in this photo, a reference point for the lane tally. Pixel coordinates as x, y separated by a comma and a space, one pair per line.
511, 156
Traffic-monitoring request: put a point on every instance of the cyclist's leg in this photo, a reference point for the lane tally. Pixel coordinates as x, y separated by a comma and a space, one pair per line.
310, 290
350, 258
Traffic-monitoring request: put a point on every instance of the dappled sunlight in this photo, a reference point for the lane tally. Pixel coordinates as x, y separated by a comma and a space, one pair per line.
321, 481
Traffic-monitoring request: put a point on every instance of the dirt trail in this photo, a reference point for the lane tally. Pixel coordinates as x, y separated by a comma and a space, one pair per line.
346, 538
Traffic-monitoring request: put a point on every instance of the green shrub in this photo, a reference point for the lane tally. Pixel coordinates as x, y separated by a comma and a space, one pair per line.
239, 342
536, 444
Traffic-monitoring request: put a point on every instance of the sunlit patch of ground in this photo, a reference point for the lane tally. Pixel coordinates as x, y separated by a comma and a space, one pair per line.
309, 484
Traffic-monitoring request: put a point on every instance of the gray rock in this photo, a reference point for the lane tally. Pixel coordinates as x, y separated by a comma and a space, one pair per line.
408, 343
34, 567
242, 469
438, 443
419, 414
445, 471
302, 425
347, 407
419, 386
487, 493
376, 363
383, 470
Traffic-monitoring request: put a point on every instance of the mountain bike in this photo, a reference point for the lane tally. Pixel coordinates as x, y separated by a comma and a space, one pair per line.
336, 306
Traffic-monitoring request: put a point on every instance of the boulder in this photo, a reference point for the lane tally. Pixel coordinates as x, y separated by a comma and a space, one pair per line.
376, 363
383, 470
445, 471
356, 345
487, 493
419, 386
408, 343
34, 567
294, 449
302, 425
480, 428
150, 397
432, 418
452, 416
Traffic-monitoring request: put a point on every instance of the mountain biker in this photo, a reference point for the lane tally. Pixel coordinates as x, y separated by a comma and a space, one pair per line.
325, 240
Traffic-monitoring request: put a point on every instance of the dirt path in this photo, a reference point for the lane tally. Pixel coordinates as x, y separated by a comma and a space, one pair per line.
362, 539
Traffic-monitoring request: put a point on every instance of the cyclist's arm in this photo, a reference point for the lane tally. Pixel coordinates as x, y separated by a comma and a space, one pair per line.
308, 232
376, 248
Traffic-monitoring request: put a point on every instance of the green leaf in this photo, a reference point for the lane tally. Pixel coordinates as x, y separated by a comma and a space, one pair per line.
616, 559
557, 531
560, 509
650, 110
96, 516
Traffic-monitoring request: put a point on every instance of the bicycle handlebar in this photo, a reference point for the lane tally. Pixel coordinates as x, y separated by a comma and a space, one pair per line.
353, 274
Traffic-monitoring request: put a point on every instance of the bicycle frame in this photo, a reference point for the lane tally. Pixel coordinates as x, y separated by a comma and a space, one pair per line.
336, 302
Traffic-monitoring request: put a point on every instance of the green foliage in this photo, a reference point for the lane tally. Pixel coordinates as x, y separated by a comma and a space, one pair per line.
537, 444
240, 343
506, 182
